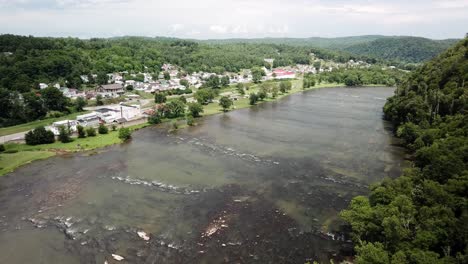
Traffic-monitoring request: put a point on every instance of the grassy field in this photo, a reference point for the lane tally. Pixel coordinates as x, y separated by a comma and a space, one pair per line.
10, 162
214, 108
27, 154
31, 125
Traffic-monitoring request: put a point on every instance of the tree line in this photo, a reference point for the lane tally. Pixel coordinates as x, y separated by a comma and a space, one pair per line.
421, 216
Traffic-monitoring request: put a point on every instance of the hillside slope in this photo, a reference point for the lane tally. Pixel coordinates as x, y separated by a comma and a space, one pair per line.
421, 216
404, 49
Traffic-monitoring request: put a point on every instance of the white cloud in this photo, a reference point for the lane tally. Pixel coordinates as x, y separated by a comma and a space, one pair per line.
234, 18
218, 29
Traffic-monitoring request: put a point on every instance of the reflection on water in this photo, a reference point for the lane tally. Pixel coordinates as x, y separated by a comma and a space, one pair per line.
258, 185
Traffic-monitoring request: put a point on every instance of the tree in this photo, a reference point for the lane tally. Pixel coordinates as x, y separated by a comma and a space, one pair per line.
64, 134
225, 81
99, 100
204, 96
274, 91
317, 65
285, 86
240, 88
81, 131
183, 99
213, 82
352, 80
175, 109
167, 76
159, 98
102, 129
190, 120
253, 98
39, 135
257, 74
80, 103
129, 87
195, 109
34, 106
155, 118
102, 78
226, 103
125, 134
91, 132
54, 99
184, 82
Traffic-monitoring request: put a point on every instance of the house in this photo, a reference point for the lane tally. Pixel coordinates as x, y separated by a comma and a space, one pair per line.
111, 89
43, 86
68, 124
284, 74
118, 113
88, 120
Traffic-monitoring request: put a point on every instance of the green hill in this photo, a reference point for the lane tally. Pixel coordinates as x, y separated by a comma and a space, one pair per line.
404, 49
421, 216
398, 49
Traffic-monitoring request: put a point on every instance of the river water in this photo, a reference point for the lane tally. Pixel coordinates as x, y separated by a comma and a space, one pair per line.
257, 185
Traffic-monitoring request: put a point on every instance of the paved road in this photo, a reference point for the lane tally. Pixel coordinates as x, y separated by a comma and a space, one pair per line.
13, 137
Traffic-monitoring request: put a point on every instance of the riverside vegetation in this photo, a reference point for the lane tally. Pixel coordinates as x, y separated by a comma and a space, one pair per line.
421, 216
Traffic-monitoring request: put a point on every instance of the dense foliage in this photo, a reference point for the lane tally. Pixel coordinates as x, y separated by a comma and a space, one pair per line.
356, 77
39, 136
421, 216
401, 49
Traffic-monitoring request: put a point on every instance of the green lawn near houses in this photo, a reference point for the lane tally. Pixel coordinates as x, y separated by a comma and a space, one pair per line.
31, 125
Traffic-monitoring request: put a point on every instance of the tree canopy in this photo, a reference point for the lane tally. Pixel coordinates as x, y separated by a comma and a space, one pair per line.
421, 216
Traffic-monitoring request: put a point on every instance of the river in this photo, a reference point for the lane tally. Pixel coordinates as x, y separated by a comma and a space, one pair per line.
257, 185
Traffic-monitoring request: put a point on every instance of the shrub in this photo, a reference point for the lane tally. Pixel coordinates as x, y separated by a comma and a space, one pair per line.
190, 120
195, 109
160, 98
10, 151
103, 129
91, 132
2, 148
81, 132
114, 127
38, 136
125, 134
64, 135
175, 126
155, 118
253, 98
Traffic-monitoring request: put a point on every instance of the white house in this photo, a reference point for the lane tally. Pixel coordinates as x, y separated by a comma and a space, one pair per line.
43, 86
68, 124
88, 120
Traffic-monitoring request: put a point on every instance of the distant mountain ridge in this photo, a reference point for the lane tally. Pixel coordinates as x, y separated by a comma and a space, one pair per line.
405, 49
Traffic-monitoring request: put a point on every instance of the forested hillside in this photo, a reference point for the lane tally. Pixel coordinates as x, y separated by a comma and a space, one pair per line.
422, 216
401, 49
26, 61
396, 49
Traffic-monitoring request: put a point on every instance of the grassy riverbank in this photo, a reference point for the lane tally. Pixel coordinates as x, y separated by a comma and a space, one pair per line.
22, 154
25, 154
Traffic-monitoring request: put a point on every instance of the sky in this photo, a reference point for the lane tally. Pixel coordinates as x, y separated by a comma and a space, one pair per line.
219, 19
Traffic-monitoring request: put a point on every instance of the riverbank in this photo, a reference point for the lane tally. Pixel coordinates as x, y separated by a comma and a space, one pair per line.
21, 154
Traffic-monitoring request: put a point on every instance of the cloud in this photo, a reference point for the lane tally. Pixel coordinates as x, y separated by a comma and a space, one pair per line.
234, 18
218, 29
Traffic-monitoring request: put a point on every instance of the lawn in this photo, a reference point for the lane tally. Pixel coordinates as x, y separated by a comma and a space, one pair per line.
9, 162
214, 108
31, 125
27, 154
